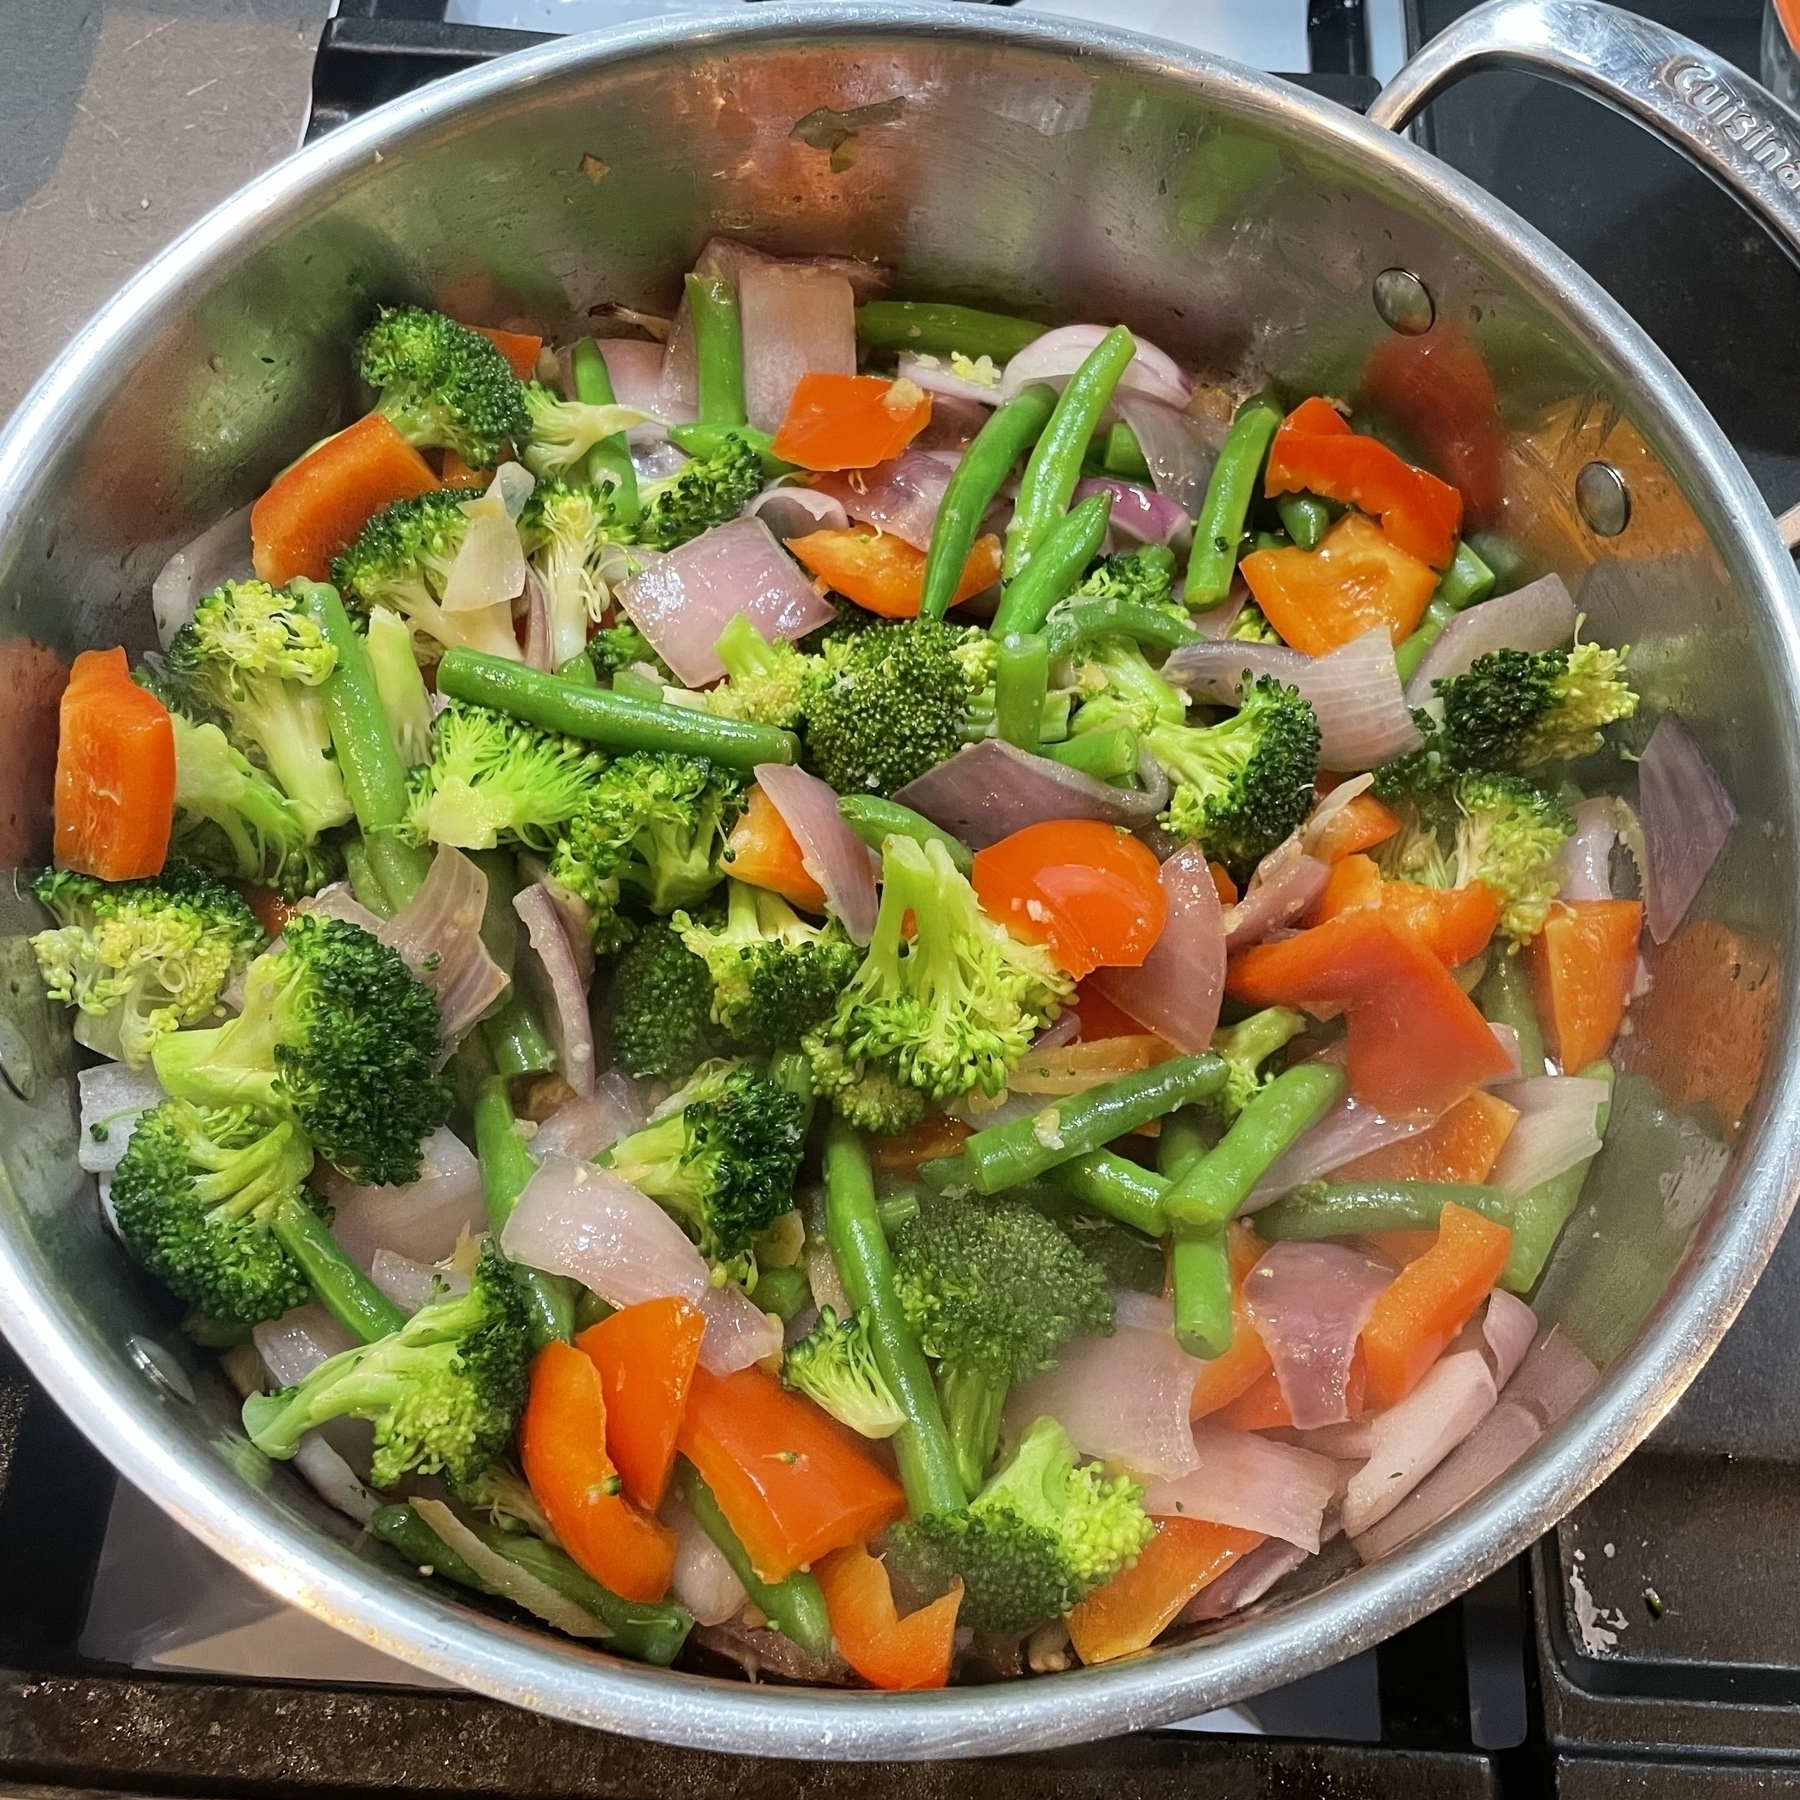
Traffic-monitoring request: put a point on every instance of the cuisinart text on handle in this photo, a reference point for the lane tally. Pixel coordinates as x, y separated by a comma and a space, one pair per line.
1700, 89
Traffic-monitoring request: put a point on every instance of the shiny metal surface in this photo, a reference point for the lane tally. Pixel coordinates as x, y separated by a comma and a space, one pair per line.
1028, 163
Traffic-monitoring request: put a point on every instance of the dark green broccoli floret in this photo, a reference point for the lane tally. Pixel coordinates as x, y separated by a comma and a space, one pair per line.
1515, 710
765, 683
722, 1158
494, 779
141, 958
834, 1367
651, 829
442, 385
250, 661
1037, 1538
1144, 577
774, 976
994, 1290
704, 492
662, 1023
569, 531
618, 646
444, 1392
885, 704
1242, 785
194, 1194
336, 1034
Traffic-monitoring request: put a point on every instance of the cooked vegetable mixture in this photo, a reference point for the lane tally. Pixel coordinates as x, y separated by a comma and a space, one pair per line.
895, 994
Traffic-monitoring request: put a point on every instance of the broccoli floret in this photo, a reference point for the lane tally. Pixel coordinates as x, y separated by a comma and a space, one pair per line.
444, 1392
948, 1011
1242, 785
885, 704
704, 492
871, 1097
1143, 577
568, 530
561, 432
494, 779
1123, 689
141, 958
442, 385
765, 682
662, 1023
774, 976
252, 663
834, 1367
193, 1195
1037, 1538
337, 1035
721, 1156
1246, 1046
994, 1290
617, 647
1516, 710
1251, 627
651, 829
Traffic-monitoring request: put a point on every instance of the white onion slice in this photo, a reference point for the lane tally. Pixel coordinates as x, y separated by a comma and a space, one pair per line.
935, 375
113, 1099
798, 320
1179, 448
411, 1285
490, 566
422, 1219
1538, 616
438, 935
702, 1580
1556, 1129
292, 1346
634, 367
505, 1578
1586, 856
792, 512
830, 852
1124, 1398
1282, 886
1508, 1328
553, 970
333, 1479
219, 554
1309, 1303
1252, 1483
1176, 990
583, 1128
1411, 1439
1687, 817
1554, 1378
1056, 356
1139, 513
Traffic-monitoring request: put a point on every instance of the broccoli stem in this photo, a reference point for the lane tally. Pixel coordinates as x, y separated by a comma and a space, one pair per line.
1229, 491
506, 1166
1110, 755
1123, 455
922, 1447
399, 685
973, 1403
374, 775
875, 820
1200, 1276
1467, 580
1505, 999
363, 882
337, 1283
1305, 518
1109, 1183
1539, 1216
1021, 680
1352, 1208
609, 462
1076, 622
718, 350
937, 328
794, 1606
580, 670
1064, 549
611, 720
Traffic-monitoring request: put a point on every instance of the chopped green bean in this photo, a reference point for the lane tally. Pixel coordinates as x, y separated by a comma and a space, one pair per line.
1467, 581
1356, 1208
1112, 1184
1229, 491
1021, 680
580, 670
937, 328
363, 883
784, 1292
337, 1283
1504, 997
608, 464
794, 1606
718, 350
1124, 455
1304, 518
1200, 1277
1540, 1215
875, 820
1063, 551
506, 1166
1076, 621
1181, 1143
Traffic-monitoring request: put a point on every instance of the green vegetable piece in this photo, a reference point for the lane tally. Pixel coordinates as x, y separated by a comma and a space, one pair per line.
1105, 755
1114, 1185
609, 462
875, 820
834, 1366
1065, 547
1021, 682
1466, 582
1200, 1276
1124, 455
1219, 528
442, 385
718, 350
662, 1006
784, 1292
1304, 518
938, 328
400, 686
794, 1606
1505, 999
337, 1283
1540, 1215
506, 1166
1354, 1208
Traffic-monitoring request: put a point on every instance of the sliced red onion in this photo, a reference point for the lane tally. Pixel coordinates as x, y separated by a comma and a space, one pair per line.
1179, 448
1556, 1129
634, 367
1056, 356
421, 1220
830, 852
499, 1575
1065, 1031
1411, 1439
823, 1278
1309, 1303
1244, 1583
333, 1479
438, 934
219, 554
685, 599
1215, 626
792, 512
702, 1580
798, 320
1538, 616
540, 652
552, 970
1586, 856
1252, 1483
1687, 817
292, 1346
989, 790
1176, 990
936, 376
411, 1285
1350, 1442
583, 1128
576, 915
1508, 1328
1124, 1398
574, 1219
951, 427
113, 1099
901, 497
1553, 1380
1351, 1128
1282, 886
1140, 513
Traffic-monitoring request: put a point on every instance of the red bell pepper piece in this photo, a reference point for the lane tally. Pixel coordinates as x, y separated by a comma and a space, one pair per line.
850, 421
115, 772
1358, 578
1140, 1602
646, 1356
1583, 965
886, 1650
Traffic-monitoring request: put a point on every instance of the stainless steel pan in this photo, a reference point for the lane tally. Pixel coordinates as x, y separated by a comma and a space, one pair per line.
1038, 165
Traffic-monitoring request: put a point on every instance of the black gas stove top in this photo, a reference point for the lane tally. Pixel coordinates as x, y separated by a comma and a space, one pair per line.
1649, 1647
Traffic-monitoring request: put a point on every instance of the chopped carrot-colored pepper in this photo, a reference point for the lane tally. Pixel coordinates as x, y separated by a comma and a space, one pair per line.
1133, 1609
886, 1650
646, 1356
850, 421
1582, 966
519, 348
765, 853
115, 772
1358, 578
1462, 1146
1359, 824
884, 574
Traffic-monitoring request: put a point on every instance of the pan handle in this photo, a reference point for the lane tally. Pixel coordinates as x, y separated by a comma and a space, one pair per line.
1726, 124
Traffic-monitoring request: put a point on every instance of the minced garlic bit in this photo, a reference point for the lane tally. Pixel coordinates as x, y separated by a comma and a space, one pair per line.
902, 396
1046, 1127
980, 369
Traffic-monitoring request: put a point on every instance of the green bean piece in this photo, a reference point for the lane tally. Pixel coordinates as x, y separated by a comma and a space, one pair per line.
1109, 1183
337, 1283
1354, 1208
612, 720
784, 1292
499, 923
1229, 491
635, 685
363, 882
718, 350
1220, 1182
506, 1166
1124, 455
1271, 540
1304, 518
578, 669
794, 1606
1110, 755
1467, 581
1063, 551
1504, 997
403, 1529
590, 1309
1063, 1129
1021, 680
1054, 465
609, 462
1539, 1216
936, 328
1074, 622
875, 820
987, 462
859, 1247
375, 777
518, 1041
1200, 1277
1182, 1142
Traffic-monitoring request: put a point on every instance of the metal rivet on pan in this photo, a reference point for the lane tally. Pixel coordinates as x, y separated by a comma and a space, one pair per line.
159, 1368
1604, 499
1404, 302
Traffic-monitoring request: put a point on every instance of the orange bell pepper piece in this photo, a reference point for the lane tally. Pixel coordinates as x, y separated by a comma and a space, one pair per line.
1315, 450
935, 1135
850, 421
1358, 578
762, 851
315, 509
562, 1444
518, 347
1246, 1362
115, 772
885, 574
1454, 924
1416, 1041
1430, 1301
457, 473
791, 1482
1462, 1146
1582, 966
886, 1650
1133, 1609
646, 1356
1360, 824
